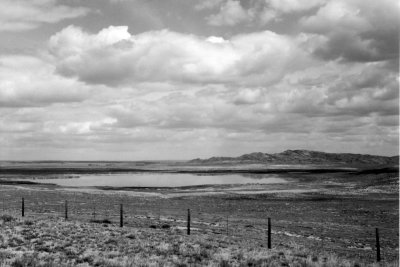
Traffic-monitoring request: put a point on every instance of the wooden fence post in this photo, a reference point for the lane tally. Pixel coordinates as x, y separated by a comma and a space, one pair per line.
227, 224
23, 207
269, 233
94, 212
188, 222
121, 216
378, 246
66, 210
159, 215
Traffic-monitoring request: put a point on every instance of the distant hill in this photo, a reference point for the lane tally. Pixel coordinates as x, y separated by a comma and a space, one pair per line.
301, 157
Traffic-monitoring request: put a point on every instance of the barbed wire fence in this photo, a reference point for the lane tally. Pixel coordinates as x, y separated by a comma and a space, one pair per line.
144, 213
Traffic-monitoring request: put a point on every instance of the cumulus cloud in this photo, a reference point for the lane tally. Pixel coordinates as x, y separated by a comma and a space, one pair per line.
247, 83
356, 30
274, 10
337, 89
329, 82
248, 96
20, 15
211, 118
207, 4
309, 93
291, 6
30, 81
231, 13
115, 57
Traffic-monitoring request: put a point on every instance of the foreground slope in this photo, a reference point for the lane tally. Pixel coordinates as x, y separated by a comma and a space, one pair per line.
54, 242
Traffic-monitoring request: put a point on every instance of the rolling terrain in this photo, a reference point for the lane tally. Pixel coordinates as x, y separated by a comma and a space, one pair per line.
292, 157
324, 214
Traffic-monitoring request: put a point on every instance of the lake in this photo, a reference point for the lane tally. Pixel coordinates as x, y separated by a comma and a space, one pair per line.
160, 180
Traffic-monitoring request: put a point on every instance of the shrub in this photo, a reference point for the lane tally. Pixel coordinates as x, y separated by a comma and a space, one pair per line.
131, 236
29, 261
7, 218
104, 221
28, 222
225, 263
111, 242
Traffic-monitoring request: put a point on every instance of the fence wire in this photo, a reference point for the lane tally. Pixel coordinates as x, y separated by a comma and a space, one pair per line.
145, 213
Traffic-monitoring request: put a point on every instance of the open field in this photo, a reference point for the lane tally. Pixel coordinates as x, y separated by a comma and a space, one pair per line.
53, 242
317, 218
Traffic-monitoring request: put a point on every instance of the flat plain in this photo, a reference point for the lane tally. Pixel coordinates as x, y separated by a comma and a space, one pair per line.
319, 217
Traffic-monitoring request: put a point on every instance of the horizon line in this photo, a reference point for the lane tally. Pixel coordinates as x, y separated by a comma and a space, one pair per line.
151, 160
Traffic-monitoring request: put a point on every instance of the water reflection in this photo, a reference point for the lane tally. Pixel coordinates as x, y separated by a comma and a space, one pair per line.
162, 180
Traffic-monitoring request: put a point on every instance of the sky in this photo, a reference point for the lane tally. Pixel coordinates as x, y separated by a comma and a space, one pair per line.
182, 79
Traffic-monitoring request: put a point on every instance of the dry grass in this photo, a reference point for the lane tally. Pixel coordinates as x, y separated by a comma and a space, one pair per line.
54, 242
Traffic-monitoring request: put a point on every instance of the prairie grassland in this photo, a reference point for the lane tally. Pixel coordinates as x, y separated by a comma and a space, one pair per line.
54, 242
326, 220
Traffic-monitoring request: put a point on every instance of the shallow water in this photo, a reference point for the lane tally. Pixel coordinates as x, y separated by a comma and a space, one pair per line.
161, 180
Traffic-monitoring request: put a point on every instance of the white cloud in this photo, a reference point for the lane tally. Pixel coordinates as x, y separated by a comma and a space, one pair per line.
73, 41
207, 4
85, 127
216, 40
248, 96
291, 6
20, 15
267, 15
318, 106
230, 13
114, 57
274, 10
356, 30
260, 82
331, 83
336, 14
30, 81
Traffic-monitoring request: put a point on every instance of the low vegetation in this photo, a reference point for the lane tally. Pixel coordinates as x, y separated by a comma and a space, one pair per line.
318, 219
54, 242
